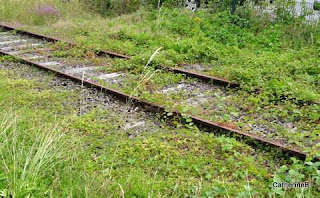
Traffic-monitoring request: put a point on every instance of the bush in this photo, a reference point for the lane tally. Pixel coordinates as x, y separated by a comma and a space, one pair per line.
126, 6
316, 6
99, 5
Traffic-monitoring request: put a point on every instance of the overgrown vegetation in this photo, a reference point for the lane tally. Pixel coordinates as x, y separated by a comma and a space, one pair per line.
280, 57
51, 151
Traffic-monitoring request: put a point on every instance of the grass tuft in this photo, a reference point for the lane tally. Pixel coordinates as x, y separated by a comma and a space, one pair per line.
28, 157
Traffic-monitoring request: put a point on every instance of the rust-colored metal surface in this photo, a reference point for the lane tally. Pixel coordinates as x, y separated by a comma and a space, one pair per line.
147, 106
202, 77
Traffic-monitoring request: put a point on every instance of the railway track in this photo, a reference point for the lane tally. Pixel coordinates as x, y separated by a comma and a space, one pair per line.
189, 73
31, 49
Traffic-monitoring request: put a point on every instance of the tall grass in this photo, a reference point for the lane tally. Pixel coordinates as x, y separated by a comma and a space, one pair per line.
28, 158
127, 6
35, 12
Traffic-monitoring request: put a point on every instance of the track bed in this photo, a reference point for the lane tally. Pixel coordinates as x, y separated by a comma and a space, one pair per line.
213, 105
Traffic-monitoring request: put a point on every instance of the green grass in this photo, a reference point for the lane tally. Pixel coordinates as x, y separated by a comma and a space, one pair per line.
50, 151
293, 124
99, 160
18, 10
280, 58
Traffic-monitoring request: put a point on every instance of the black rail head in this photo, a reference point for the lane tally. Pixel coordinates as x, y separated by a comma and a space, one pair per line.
55, 39
159, 109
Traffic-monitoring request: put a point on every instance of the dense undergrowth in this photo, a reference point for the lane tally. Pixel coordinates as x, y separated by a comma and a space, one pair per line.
281, 58
52, 151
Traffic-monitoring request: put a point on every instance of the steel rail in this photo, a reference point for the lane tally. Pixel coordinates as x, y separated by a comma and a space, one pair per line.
55, 39
205, 78
202, 77
147, 106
